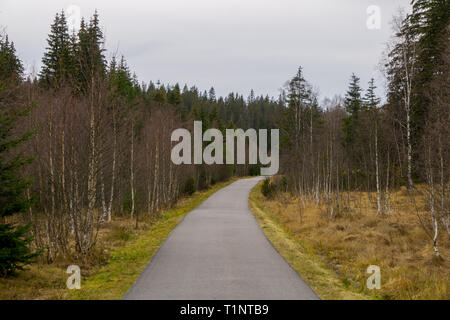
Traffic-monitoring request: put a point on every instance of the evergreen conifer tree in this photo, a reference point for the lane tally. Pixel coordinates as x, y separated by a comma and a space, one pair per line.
10, 65
57, 57
14, 251
353, 105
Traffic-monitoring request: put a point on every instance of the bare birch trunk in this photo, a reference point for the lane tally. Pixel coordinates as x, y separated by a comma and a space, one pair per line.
132, 168
377, 170
92, 181
433, 213
63, 168
386, 196
444, 216
51, 219
409, 67
102, 194
113, 177
155, 179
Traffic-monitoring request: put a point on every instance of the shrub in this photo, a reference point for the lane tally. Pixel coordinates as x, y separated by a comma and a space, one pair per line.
127, 202
281, 183
120, 233
189, 186
202, 180
268, 188
14, 251
253, 171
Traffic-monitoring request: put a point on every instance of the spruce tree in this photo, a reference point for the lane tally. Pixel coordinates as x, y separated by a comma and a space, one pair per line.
353, 105
213, 113
428, 26
298, 91
120, 79
159, 95
14, 251
10, 65
251, 97
57, 57
73, 67
91, 59
174, 95
371, 101
298, 101
212, 95
96, 42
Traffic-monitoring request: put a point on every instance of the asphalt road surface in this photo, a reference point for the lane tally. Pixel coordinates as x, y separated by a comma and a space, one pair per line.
219, 251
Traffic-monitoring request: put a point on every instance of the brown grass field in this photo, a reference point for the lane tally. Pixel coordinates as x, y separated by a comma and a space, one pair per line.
344, 246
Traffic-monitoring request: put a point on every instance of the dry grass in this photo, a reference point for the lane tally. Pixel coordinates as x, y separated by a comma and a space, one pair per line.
356, 238
122, 252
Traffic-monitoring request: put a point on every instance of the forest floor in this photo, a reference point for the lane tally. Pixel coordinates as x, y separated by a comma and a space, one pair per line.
121, 254
332, 255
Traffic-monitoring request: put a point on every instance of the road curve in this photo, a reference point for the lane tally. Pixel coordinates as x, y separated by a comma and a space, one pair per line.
219, 252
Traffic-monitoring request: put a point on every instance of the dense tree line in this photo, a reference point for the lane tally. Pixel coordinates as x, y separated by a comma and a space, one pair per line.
100, 140
356, 143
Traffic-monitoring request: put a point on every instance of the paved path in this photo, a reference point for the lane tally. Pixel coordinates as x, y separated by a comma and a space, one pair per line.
219, 252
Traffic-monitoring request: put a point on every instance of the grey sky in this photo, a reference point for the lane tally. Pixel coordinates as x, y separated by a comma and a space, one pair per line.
229, 44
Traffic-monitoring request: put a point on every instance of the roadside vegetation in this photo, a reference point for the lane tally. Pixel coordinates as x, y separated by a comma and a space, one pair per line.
332, 253
85, 149
121, 254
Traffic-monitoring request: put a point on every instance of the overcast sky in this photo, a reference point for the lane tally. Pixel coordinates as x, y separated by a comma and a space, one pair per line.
233, 45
